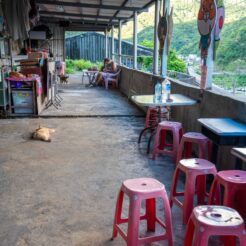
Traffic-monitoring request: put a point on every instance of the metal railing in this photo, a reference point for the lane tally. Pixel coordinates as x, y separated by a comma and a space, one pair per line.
231, 85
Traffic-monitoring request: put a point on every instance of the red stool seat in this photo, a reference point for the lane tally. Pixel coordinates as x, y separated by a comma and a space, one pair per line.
195, 171
185, 147
234, 183
160, 138
138, 190
206, 221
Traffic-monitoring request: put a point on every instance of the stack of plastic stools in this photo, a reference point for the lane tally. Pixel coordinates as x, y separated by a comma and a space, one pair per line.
139, 190
234, 183
195, 171
189, 138
151, 119
207, 221
160, 138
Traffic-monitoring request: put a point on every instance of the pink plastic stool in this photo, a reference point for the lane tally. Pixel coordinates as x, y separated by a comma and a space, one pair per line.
138, 190
234, 183
160, 138
206, 221
189, 138
195, 183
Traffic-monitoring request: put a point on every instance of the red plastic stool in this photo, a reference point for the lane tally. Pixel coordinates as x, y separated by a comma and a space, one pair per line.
138, 190
195, 183
189, 138
206, 221
151, 119
160, 138
234, 183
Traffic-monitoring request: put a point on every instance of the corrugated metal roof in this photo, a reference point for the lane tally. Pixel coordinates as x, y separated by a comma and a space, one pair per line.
94, 13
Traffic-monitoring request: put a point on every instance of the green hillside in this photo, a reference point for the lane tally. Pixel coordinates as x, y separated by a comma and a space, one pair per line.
185, 37
232, 49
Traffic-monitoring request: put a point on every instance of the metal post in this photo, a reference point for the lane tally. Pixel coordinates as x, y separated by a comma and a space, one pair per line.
106, 43
135, 40
156, 42
112, 43
119, 38
166, 8
210, 63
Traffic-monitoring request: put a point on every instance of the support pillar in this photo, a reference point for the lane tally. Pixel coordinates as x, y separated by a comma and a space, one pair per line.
156, 41
135, 40
106, 43
119, 38
210, 62
166, 8
112, 43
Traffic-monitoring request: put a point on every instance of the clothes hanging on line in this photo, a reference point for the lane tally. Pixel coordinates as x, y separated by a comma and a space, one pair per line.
16, 14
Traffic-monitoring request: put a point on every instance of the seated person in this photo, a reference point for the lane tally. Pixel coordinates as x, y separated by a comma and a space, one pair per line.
108, 70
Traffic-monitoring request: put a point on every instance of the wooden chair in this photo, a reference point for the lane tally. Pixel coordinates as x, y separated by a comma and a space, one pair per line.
113, 80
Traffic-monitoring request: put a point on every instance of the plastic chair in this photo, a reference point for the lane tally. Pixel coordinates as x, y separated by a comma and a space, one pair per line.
206, 221
195, 171
138, 190
114, 80
160, 143
234, 183
189, 138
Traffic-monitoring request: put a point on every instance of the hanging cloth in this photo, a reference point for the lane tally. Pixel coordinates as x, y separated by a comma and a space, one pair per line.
219, 24
205, 22
162, 31
16, 14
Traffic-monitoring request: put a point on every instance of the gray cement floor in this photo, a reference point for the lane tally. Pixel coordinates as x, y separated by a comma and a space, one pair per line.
64, 192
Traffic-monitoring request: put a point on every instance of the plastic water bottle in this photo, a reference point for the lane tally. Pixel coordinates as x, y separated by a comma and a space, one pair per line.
158, 90
168, 89
163, 91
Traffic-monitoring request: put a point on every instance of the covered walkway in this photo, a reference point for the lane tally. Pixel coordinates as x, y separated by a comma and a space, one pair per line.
80, 100
64, 192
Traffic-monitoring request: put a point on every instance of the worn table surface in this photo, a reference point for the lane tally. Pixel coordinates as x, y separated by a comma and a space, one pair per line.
240, 153
176, 100
224, 126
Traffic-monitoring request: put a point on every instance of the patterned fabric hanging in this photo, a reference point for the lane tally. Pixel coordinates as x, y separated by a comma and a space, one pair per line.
219, 24
170, 29
206, 22
162, 32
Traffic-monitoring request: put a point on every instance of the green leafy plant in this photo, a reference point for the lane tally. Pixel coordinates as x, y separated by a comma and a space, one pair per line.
73, 66
69, 70
174, 63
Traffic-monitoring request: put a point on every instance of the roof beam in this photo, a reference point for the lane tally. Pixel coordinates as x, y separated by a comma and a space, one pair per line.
88, 5
105, 23
98, 11
80, 15
117, 12
79, 27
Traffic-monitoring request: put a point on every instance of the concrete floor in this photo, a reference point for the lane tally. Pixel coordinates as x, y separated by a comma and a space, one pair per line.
64, 192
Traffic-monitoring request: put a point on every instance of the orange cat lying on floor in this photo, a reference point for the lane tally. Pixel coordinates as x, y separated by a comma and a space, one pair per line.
43, 133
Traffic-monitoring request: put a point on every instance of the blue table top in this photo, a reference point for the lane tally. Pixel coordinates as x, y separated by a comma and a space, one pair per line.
224, 126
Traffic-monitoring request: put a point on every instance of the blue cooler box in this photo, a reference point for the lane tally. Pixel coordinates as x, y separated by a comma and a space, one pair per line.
23, 98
